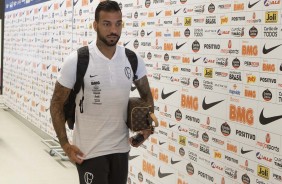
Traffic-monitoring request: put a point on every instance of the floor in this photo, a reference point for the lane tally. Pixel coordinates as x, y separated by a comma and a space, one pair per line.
25, 159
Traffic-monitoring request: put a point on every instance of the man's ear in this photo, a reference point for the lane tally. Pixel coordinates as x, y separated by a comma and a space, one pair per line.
95, 25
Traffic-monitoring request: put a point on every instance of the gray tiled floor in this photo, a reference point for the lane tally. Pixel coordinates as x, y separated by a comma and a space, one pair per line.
25, 159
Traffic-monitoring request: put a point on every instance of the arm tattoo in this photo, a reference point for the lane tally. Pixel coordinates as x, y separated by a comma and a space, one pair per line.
59, 97
145, 91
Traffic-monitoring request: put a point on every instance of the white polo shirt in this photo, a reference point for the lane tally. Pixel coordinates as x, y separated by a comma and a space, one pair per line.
101, 128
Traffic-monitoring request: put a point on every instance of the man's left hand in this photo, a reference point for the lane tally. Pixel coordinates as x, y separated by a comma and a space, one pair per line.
145, 133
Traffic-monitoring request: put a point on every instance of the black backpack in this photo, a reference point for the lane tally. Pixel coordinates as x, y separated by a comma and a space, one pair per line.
82, 64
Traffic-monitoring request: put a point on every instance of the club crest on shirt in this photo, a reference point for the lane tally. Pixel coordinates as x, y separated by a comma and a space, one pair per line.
88, 177
127, 72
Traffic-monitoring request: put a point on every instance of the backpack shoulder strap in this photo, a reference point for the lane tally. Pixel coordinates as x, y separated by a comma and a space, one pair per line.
82, 64
133, 61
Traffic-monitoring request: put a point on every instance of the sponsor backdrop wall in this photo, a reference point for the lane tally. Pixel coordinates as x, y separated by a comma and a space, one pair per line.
215, 74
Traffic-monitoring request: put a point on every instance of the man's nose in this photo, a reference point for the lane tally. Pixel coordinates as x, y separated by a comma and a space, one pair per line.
114, 29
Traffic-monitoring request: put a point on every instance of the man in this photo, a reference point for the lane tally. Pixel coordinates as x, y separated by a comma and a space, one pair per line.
101, 138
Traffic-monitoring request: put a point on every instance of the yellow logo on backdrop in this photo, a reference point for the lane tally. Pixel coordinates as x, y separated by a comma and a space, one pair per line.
208, 72
187, 21
182, 140
217, 154
263, 172
223, 20
271, 17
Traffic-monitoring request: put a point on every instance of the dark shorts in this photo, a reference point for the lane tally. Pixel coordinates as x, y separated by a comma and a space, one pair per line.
107, 169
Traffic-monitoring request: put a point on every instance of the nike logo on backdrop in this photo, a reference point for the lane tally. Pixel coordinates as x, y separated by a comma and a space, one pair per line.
170, 126
209, 105
91, 76
133, 88
195, 60
264, 121
164, 96
176, 11
132, 157
245, 151
162, 175
266, 51
157, 13
125, 44
161, 143
174, 162
149, 33
74, 3
61, 4
251, 5
281, 67
179, 46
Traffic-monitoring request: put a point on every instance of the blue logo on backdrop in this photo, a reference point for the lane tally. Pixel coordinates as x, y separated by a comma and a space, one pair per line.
11, 5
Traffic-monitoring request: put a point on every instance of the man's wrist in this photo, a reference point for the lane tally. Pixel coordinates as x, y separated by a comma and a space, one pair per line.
63, 141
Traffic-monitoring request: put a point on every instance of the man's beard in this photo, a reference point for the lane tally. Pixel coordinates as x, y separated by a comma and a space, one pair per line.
105, 41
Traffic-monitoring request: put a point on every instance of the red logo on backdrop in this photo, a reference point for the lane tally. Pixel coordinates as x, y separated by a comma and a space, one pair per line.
246, 163
254, 15
165, 108
208, 121
229, 44
222, 180
267, 138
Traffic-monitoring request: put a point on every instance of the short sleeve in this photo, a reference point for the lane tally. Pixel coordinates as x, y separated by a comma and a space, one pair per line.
67, 76
141, 68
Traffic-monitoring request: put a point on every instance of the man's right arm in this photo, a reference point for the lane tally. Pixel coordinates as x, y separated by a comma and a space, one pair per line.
58, 100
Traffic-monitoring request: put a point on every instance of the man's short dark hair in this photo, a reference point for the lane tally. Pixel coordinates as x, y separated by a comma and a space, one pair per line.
108, 6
